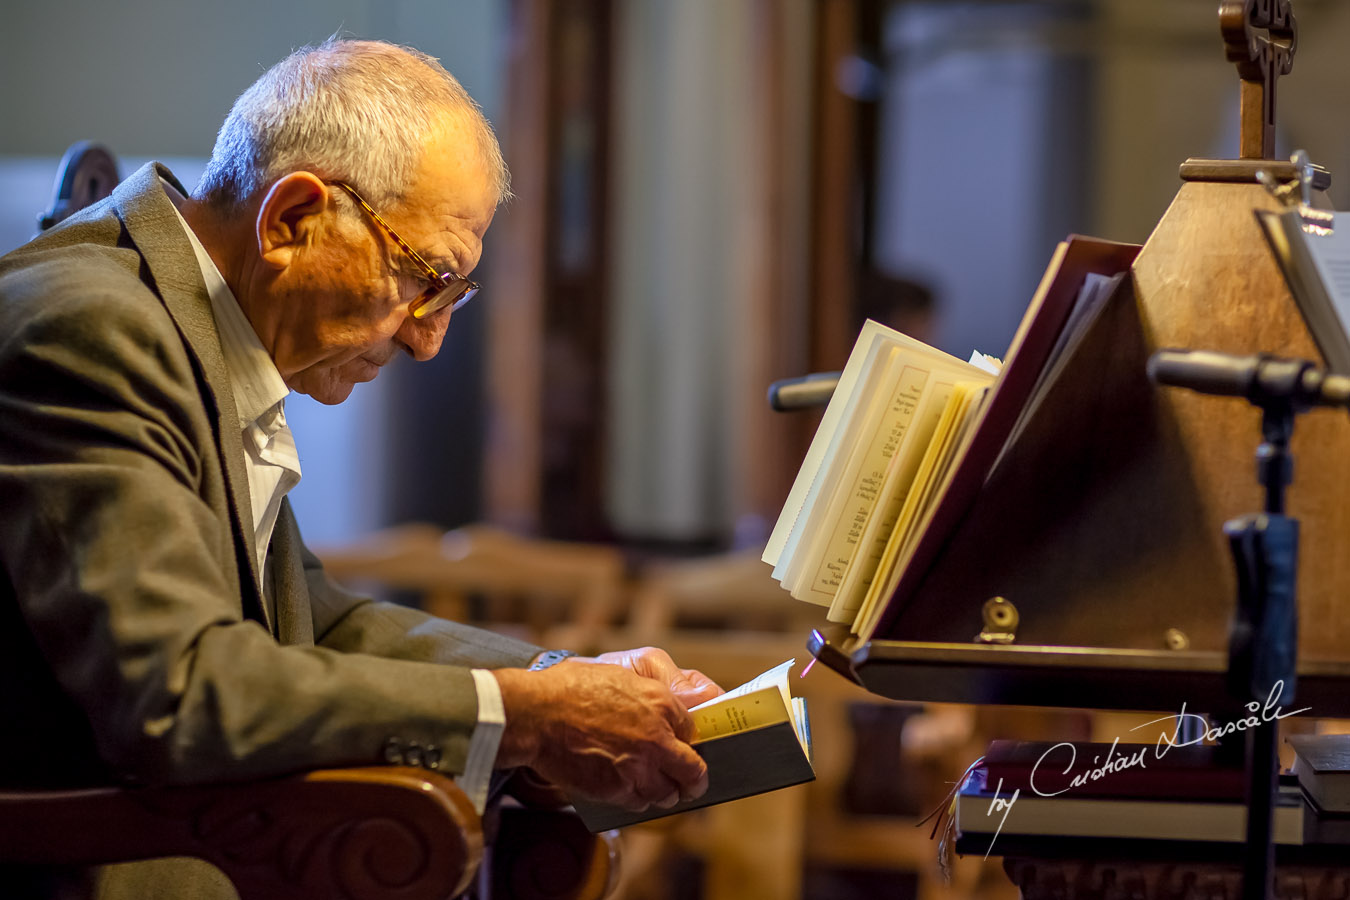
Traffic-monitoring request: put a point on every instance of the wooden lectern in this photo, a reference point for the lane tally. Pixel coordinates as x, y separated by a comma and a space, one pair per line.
1101, 526
1102, 523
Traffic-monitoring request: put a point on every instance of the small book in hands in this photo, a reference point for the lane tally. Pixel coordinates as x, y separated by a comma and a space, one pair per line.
755, 738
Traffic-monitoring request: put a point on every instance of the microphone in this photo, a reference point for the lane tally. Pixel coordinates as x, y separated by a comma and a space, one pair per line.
1261, 378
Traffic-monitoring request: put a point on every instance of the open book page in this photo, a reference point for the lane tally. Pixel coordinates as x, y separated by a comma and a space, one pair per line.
1317, 268
952, 430
861, 366
803, 576
775, 677
763, 700
802, 724
833, 531
792, 569
864, 349
900, 474
853, 410
870, 339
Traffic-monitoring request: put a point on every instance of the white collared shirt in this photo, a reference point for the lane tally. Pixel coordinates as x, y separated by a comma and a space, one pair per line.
273, 467
272, 463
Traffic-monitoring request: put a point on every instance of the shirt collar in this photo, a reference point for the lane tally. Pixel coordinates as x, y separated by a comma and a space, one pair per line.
256, 384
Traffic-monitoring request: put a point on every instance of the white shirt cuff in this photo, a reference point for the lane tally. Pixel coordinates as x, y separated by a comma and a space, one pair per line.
487, 737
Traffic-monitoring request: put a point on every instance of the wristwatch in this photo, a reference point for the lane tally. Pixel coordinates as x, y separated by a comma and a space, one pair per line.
549, 658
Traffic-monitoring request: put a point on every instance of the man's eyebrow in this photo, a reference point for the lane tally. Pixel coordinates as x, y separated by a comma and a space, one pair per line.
441, 264
407, 266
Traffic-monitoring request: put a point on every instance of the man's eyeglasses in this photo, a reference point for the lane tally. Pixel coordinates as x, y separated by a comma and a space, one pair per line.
446, 289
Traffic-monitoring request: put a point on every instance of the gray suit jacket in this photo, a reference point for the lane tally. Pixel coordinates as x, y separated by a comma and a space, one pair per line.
134, 642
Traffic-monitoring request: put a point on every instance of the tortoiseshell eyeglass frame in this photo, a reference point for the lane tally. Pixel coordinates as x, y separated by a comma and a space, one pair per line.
446, 288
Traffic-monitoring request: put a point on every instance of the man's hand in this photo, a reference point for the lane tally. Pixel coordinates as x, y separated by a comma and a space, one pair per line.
690, 686
614, 729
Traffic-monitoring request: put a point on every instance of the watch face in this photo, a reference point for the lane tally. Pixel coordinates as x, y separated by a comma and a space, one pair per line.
550, 658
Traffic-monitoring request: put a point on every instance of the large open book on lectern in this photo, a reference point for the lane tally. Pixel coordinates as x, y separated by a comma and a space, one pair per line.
911, 435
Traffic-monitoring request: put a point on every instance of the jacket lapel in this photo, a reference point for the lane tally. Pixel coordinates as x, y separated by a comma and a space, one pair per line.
154, 226
295, 625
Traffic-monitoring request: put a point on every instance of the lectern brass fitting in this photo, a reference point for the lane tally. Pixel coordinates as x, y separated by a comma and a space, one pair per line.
1000, 622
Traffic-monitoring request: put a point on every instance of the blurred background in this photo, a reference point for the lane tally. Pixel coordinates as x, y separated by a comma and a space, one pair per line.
710, 195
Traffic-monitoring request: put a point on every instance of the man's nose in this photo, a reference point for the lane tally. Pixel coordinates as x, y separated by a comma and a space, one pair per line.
423, 337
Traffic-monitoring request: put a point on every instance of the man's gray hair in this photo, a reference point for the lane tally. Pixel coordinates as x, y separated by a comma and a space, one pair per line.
348, 110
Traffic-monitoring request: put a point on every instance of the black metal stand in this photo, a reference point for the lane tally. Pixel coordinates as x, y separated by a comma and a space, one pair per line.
1264, 635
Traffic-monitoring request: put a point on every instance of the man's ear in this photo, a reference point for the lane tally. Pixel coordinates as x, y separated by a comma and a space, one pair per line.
289, 216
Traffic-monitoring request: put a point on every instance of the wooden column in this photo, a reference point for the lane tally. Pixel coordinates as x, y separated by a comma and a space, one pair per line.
512, 472
546, 334
834, 181
774, 318
576, 306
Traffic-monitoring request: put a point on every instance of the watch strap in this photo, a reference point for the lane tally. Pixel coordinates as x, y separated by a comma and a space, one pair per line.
549, 658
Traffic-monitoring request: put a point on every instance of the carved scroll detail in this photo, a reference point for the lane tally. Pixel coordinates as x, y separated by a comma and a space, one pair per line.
328, 837
361, 834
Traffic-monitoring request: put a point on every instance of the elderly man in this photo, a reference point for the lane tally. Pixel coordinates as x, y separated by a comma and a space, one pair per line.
162, 620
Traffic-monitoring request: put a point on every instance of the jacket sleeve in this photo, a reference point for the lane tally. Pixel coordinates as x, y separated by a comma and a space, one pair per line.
119, 559
354, 624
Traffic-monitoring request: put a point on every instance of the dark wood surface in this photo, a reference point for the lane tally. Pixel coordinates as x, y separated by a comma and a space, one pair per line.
1098, 879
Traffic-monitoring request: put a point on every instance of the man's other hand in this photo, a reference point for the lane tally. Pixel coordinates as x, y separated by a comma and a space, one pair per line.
603, 732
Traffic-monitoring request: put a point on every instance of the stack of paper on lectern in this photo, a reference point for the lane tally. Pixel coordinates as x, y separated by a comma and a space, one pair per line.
911, 434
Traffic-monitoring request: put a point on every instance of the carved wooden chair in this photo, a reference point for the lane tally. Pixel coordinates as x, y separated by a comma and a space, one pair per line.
373, 833
381, 832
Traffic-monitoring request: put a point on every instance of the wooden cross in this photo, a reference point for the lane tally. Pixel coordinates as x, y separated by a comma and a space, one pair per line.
1260, 36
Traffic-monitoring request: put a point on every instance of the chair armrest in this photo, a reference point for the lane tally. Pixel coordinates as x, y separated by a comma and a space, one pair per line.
363, 832
548, 854
538, 848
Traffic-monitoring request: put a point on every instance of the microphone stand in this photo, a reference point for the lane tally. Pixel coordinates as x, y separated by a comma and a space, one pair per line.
1263, 635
